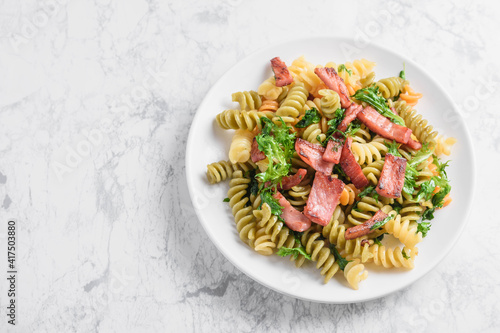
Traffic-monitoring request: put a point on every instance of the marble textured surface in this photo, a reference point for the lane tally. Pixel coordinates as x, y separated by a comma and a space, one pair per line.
96, 101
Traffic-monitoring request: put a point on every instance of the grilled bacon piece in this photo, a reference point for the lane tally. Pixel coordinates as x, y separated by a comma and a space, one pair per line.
365, 228
323, 198
413, 144
312, 154
281, 72
255, 154
382, 126
392, 177
294, 219
290, 181
332, 152
351, 167
350, 114
334, 82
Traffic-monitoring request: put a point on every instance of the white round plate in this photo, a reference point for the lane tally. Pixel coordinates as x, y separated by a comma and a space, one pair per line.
207, 143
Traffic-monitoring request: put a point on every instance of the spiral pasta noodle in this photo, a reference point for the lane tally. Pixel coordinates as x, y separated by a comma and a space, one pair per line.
354, 273
414, 121
241, 146
268, 222
373, 171
348, 195
367, 206
368, 152
303, 72
443, 146
293, 104
320, 253
298, 195
220, 171
388, 258
248, 100
330, 102
391, 86
269, 105
241, 119
269, 90
243, 217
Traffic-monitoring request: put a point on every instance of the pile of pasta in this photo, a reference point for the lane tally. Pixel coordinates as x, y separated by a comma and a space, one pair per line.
267, 233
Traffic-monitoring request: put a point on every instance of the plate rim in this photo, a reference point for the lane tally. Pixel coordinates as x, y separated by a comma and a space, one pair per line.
332, 38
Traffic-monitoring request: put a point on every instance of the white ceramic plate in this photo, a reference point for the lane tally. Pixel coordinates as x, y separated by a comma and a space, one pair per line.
207, 143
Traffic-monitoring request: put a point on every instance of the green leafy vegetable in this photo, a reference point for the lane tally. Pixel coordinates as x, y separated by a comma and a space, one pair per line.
225, 200
343, 68
337, 169
267, 197
410, 180
407, 257
341, 261
372, 96
277, 143
296, 251
254, 184
379, 239
286, 251
424, 227
368, 190
312, 116
393, 148
397, 206
440, 166
402, 74
382, 222
423, 154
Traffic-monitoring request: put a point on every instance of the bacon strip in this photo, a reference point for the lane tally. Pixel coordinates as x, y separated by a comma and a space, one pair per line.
281, 73
350, 114
334, 82
382, 126
323, 198
312, 154
413, 144
332, 152
294, 219
365, 228
290, 181
392, 177
255, 154
351, 167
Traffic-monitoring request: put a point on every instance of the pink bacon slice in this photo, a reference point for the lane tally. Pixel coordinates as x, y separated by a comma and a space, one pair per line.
334, 82
312, 154
332, 152
414, 144
323, 198
351, 167
294, 219
350, 114
255, 154
290, 181
392, 178
382, 126
365, 228
281, 72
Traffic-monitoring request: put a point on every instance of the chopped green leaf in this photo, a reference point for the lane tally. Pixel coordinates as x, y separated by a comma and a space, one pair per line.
379, 239
402, 74
342, 262
397, 206
337, 169
368, 190
407, 257
267, 197
225, 200
382, 222
372, 96
343, 68
393, 148
353, 128
277, 143
440, 166
410, 180
295, 252
312, 116
424, 227
423, 154
426, 190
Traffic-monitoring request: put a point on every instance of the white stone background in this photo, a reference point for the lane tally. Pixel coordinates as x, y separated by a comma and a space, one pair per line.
111, 245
